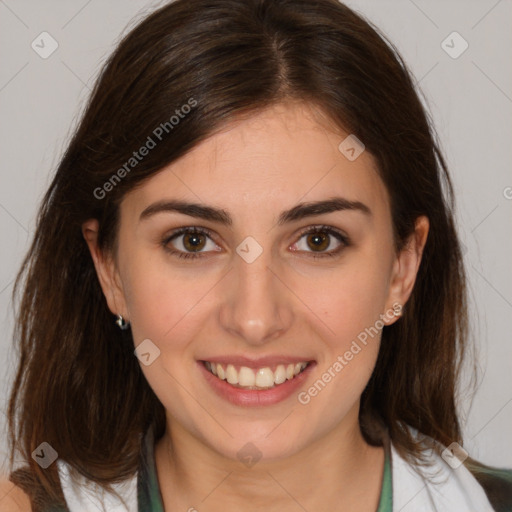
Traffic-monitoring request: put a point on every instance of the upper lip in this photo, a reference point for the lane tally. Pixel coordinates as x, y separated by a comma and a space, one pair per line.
260, 362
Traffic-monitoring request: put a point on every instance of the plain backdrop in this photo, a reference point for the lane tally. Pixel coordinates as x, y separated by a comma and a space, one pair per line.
468, 94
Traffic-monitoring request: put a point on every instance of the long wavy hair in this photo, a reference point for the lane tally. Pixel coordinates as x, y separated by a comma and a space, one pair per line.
78, 385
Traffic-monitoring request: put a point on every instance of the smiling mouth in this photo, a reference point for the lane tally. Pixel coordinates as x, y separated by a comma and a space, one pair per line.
258, 378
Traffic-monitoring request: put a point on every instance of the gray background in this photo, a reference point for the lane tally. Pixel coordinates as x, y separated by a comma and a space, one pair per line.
469, 97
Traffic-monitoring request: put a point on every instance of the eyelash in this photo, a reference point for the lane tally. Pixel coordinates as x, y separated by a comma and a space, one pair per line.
203, 231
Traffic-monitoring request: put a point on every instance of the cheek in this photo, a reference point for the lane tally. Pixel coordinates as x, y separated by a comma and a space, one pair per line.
345, 300
166, 304
169, 308
349, 305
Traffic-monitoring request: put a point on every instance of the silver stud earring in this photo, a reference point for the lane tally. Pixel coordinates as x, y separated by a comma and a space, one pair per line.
123, 325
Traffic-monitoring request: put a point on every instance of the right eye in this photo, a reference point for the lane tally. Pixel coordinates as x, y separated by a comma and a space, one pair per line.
189, 242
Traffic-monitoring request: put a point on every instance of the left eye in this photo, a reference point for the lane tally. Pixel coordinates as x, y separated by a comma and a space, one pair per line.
319, 238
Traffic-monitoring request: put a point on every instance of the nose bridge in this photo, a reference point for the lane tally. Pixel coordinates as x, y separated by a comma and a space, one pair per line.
255, 307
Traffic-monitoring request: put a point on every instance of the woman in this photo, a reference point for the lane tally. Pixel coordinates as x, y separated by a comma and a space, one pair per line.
246, 288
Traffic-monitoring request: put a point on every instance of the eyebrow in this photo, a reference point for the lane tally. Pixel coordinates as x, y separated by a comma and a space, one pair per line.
221, 216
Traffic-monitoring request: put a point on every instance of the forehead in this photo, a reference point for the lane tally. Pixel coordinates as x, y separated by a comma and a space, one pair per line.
258, 166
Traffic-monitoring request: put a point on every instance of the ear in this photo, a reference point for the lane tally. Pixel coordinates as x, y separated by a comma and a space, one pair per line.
405, 268
106, 270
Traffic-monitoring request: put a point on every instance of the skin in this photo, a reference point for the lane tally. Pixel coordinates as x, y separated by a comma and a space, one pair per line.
12, 497
285, 302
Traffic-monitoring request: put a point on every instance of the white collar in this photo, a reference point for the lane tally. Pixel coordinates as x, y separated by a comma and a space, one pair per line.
448, 490
90, 497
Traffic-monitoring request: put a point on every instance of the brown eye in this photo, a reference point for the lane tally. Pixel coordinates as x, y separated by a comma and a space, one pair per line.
189, 242
318, 241
194, 241
320, 238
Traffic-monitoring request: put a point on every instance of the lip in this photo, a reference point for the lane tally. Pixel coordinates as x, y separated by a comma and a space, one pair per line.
254, 397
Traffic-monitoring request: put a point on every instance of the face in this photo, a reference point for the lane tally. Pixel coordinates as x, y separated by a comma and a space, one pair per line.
285, 303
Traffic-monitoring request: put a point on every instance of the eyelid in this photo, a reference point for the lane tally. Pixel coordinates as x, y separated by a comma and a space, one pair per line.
325, 228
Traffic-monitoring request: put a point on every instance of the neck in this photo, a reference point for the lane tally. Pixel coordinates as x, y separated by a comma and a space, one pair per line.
337, 471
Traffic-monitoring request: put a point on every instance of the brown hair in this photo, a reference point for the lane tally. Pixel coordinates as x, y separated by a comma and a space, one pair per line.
78, 385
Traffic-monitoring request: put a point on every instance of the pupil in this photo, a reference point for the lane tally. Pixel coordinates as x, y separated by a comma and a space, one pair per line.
319, 240
193, 241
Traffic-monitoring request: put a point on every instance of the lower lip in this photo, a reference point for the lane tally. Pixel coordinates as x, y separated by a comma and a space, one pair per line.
255, 397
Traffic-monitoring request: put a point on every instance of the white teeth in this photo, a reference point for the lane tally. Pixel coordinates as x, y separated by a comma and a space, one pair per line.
231, 374
280, 374
264, 378
261, 378
220, 372
246, 377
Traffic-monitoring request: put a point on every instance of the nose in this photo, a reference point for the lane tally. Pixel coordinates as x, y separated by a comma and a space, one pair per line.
256, 305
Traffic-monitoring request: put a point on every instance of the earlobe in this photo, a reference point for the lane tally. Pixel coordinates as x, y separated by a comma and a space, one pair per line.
407, 264
105, 269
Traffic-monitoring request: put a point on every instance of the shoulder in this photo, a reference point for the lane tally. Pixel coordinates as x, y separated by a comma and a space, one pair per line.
12, 497
22, 491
